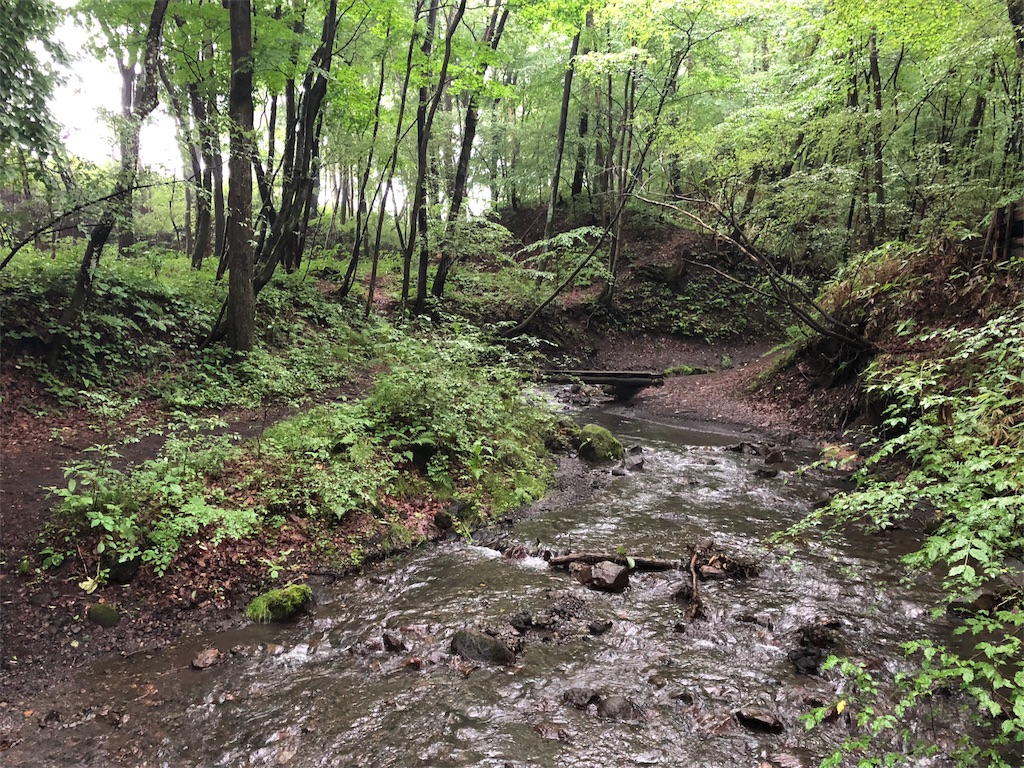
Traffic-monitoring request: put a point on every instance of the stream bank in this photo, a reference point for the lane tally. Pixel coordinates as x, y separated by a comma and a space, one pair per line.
369, 677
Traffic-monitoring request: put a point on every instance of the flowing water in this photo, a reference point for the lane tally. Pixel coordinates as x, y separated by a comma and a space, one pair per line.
325, 691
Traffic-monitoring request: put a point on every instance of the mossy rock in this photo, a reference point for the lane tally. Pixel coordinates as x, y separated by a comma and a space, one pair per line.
279, 604
598, 444
104, 614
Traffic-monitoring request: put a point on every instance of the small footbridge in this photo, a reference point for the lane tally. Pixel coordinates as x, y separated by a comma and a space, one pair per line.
621, 384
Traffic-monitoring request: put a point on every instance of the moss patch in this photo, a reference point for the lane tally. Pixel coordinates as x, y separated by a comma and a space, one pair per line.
279, 604
598, 444
104, 614
687, 370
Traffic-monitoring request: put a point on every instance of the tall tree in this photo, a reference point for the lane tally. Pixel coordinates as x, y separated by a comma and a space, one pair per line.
241, 304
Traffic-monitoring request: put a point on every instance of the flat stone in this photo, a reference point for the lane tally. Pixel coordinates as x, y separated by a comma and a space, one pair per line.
473, 645
206, 658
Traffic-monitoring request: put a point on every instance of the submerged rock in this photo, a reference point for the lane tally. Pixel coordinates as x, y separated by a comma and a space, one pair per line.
393, 642
581, 698
552, 731
598, 628
634, 462
619, 708
475, 645
206, 658
598, 444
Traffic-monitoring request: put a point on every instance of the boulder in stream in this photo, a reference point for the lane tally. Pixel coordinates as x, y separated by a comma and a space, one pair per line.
474, 645
280, 604
598, 444
605, 576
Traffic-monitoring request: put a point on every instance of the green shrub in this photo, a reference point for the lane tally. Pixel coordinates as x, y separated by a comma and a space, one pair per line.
955, 420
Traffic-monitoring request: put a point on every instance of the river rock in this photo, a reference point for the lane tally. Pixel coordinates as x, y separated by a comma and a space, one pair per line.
581, 572
619, 472
758, 719
598, 444
474, 645
634, 463
206, 658
598, 628
393, 642
104, 614
619, 708
567, 605
581, 698
605, 576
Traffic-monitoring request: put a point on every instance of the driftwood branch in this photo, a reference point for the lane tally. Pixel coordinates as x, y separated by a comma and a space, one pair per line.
638, 563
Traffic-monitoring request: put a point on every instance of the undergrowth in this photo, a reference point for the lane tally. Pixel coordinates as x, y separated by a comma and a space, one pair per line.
951, 455
449, 420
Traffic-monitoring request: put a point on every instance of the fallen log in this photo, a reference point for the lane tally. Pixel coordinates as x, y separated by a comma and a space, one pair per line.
638, 563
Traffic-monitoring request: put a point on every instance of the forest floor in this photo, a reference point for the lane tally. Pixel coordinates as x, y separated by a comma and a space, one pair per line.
43, 627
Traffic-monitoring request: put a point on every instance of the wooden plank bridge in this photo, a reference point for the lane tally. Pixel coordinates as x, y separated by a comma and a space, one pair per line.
622, 384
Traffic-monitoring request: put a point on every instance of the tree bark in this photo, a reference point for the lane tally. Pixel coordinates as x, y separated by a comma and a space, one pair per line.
241, 305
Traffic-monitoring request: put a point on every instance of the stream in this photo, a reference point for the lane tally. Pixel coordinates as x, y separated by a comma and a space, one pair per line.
368, 679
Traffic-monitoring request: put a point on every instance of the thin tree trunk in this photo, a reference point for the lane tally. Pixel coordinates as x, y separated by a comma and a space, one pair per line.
129, 144
563, 121
492, 35
145, 103
364, 182
878, 178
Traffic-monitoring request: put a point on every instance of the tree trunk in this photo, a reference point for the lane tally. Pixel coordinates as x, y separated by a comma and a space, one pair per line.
241, 306
129, 145
364, 182
426, 110
878, 178
145, 103
492, 35
563, 121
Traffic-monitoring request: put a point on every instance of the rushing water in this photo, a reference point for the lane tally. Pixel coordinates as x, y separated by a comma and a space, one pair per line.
326, 692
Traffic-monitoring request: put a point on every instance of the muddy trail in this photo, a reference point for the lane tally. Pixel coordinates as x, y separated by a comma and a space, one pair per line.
481, 654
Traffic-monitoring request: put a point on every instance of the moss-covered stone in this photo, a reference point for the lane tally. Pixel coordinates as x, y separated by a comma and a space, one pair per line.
598, 444
104, 614
279, 604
